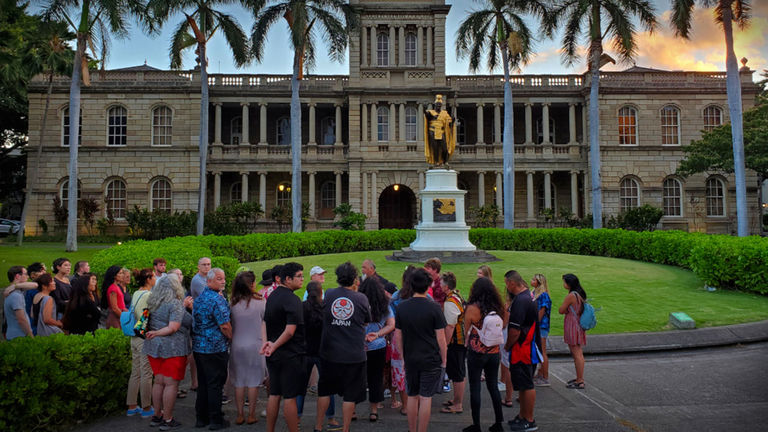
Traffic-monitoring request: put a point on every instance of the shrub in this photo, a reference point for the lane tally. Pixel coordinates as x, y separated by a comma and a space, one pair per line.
349, 219
484, 216
41, 377
643, 218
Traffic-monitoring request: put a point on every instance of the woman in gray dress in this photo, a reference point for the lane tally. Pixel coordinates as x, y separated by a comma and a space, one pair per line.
246, 366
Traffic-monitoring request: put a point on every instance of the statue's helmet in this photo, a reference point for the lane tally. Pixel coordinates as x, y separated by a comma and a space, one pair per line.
439, 99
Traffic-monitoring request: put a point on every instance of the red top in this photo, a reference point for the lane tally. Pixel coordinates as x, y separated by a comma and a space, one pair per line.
120, 297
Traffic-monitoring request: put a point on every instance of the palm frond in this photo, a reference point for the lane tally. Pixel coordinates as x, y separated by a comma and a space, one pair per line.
261, 26
621, 30
573, 30
334, 33
180, 41
236, 38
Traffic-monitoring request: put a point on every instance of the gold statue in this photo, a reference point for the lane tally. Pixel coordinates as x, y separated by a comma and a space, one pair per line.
439, 134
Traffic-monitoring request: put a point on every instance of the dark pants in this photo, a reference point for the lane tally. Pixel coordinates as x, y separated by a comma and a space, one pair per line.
375, 365
211, 376
313, 361
439, 151
476, 364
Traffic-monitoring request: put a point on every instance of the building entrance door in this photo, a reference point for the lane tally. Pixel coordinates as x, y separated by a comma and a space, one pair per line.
397, 204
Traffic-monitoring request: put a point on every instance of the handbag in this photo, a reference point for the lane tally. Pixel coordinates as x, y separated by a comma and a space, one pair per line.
128, 319
142, 325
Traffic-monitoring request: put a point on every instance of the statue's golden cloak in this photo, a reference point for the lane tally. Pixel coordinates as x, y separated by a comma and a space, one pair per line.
449, 131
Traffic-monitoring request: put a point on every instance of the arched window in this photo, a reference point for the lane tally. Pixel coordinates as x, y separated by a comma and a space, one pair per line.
283, 131
411, 120
162, 126
382, 116
161, 195
328, 195
715, 197
713, 117
410, 49
627, 126
64, 192
328, 131
236, 192
116, 198
540, 132
673, 197
461, 131
65, 128
236, 131
670, 125
382, 49
117, 126
553, 197
284, 195
629, 194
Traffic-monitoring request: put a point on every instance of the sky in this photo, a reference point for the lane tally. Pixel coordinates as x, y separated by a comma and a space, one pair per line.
705, 51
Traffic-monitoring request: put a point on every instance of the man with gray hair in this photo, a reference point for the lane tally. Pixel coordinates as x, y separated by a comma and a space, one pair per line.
198, 283
211, 332
369, 270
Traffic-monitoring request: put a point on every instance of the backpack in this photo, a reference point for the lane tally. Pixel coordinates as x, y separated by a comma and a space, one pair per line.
492, 332
128, 319
588, 318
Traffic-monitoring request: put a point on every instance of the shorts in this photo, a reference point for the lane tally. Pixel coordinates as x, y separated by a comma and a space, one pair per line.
172, 367
348, 380
456, 362
425, 382
522, 376
286, 377
544, 333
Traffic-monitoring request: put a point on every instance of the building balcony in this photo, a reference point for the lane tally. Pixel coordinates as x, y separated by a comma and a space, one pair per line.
265, 153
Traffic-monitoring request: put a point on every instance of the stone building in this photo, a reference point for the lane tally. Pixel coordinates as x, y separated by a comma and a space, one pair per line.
361, 136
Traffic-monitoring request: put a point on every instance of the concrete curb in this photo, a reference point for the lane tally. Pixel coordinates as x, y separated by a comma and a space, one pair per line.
666, 340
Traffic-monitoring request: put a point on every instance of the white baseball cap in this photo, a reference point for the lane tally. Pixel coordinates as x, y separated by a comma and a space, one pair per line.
316, 270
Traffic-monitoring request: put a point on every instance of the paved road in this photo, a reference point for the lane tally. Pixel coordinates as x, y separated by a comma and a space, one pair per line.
718, 389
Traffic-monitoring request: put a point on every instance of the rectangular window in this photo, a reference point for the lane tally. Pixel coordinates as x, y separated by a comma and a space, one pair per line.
117, 127
670, 126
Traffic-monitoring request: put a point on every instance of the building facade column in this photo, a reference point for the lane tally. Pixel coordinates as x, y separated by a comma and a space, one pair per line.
420, 124
244, 186
392, 52
392, 117
374, 123
312, 214
263, 190
364, 123
374, 201
365, 193
584, 133
429, 46
497, 123
480, 137
545, 123
245, 140
263, 123
529, 194
374, 54
401, 45
480, 188
337, 132
401, 123
216, 189
217, 125
547, 189
499, 196
338, 187
572, 123
419, 46
575, 193
528, 123
363, 46
312, 124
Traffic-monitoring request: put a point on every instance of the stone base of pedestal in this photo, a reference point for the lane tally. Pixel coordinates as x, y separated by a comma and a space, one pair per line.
450, 257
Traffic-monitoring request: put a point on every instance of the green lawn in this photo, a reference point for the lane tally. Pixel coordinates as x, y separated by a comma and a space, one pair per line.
11, 255
634, 296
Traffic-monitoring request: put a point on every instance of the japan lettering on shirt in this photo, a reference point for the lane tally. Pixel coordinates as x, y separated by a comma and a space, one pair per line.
342, 310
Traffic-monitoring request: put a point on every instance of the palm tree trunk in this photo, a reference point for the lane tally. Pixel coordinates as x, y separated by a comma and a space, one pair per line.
203, 144
595, 51
74, 142
296, 145
733, 86
32, 174
508, 148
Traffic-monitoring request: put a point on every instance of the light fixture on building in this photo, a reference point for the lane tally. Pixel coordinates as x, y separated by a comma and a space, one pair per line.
396, 187
281, 187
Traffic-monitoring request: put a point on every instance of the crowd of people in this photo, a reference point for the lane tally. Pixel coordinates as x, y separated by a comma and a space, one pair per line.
360, 341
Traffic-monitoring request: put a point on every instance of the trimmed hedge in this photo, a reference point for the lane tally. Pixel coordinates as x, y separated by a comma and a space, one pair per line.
49, 383
719, 260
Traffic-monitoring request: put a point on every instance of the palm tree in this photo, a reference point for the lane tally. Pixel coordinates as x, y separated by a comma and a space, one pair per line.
499, 28
53, 58
595, 20
726, 13
201, 22
89, 19
335, 21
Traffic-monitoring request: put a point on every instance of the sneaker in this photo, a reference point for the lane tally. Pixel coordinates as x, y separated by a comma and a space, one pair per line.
170, 425
156, 421
524, 426
387, 394
148, 413
264, 413
223, 425
446, 388
224, 399
541, 382
496, 427
133, 412
514, 421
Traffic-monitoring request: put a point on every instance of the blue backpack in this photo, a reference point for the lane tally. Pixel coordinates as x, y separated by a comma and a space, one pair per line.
588, 318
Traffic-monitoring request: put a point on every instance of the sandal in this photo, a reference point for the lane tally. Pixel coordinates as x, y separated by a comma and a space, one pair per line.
571, 381
181, 394
575, 385
450, 410
403, 412
396, 405
252, 420
372, 417
447, 403
508, 403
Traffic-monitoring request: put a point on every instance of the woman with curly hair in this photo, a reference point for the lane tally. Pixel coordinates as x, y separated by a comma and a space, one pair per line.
484, 299
246, 365
382, 323
167, 346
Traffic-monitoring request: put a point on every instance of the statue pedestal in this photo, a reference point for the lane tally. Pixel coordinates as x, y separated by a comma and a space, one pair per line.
442, 231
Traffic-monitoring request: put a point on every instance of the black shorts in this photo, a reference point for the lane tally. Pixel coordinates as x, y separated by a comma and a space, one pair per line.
425, 382
349, 380
456, 365
522, 376
286, 377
